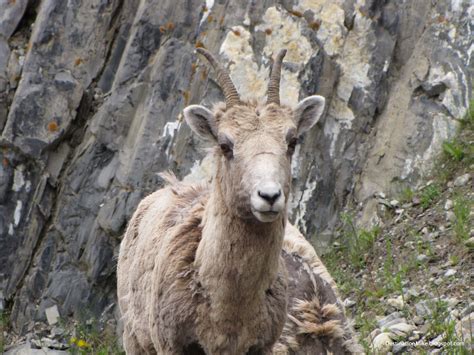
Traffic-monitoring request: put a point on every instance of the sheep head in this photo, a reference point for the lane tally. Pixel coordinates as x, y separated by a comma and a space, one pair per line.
254, 144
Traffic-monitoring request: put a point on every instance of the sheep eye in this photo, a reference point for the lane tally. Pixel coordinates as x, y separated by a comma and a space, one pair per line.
226, 145
292, 145
226, 150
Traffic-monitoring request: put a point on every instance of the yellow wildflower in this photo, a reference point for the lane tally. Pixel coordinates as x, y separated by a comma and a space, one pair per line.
82, 343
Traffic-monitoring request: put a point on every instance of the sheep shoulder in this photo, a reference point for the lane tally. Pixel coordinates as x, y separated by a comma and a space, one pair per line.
155, 261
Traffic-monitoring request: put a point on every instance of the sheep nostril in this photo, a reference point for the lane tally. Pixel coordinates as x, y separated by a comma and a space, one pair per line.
269, 196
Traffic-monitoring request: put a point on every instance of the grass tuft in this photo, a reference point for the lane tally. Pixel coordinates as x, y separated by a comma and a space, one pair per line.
403, 260
91, 337
3, 328
358, 241
453, 150
406, 195
462, 224
468, 121
429, 195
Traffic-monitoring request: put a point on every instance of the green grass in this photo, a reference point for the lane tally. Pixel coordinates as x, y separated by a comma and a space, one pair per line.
422, 247
346, 283
438, 317
391, 276
462, 224
90, 338
440, 324
359, 242
453, 150
3, 325
389, 263
365, 325
454, 259
457, 152
394, 273
468, 121
406, 195
429, 195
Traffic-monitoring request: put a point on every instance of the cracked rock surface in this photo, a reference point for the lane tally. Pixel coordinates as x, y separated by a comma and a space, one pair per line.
91, 95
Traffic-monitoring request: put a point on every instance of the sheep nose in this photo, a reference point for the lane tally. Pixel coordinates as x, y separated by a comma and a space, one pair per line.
270, 192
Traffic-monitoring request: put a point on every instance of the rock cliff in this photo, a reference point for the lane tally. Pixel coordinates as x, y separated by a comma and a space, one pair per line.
91, 94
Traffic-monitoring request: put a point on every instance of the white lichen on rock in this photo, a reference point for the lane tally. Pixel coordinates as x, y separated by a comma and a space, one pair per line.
332, 31
171, 128
453, 90
298, 203
286, 33
282, 32
18, 178
249, 79
332, 128
208, 8
17, 213
444, 128
354, 63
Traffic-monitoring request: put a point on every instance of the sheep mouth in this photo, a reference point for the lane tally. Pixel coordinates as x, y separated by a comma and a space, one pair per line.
269, 213
266, 216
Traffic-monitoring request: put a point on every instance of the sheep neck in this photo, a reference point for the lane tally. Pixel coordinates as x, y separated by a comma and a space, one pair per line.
237, 259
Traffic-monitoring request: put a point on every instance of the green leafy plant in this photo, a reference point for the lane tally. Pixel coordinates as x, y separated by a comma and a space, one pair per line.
468, 121
439, 309
91, 337
407, 195
441, 324
358, 241
365, 325
388, 262
422, 246
429, 195
458, 152
3, 325
461, 209
453, 150
454, 259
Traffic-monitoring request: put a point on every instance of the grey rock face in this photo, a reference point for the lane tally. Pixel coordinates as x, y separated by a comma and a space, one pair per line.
12, 12
428, 97
10, 15
95, 115
26, 349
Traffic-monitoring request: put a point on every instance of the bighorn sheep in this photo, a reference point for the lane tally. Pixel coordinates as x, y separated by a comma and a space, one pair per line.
203, 268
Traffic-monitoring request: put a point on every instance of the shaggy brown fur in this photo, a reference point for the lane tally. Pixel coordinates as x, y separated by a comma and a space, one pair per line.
201, 268
137, 267
174, 310
316, 323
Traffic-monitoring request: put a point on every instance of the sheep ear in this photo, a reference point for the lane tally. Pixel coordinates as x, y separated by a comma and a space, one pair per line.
202, 122
308, 112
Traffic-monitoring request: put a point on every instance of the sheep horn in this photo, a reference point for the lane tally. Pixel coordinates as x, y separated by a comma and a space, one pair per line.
223, 79
273, 91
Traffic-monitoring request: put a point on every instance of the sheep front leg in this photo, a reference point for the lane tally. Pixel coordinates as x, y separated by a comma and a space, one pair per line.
132, 346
